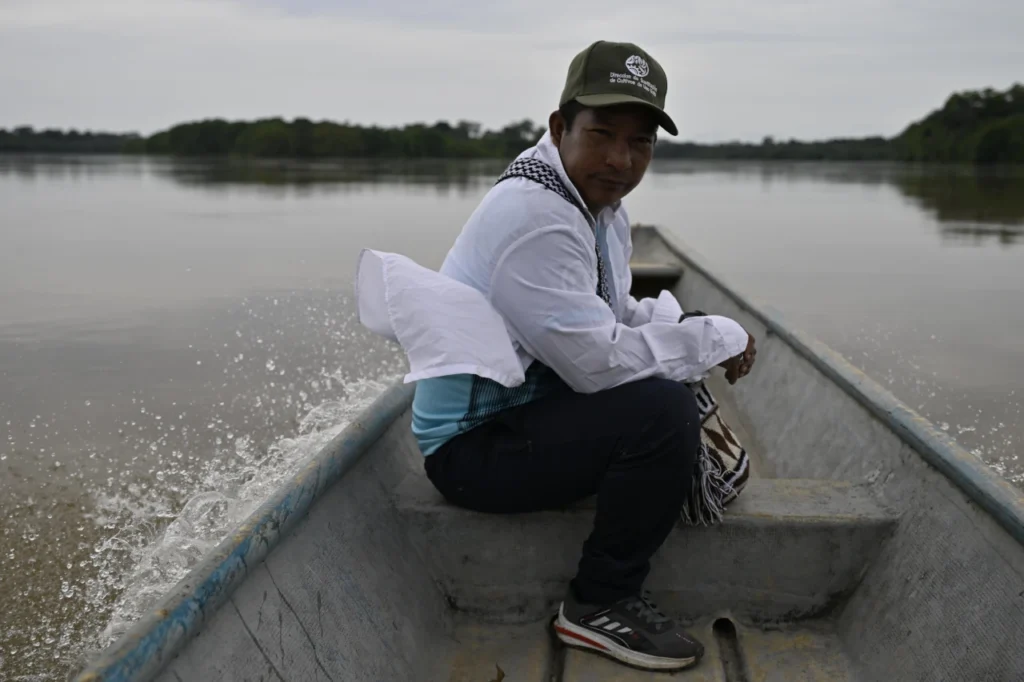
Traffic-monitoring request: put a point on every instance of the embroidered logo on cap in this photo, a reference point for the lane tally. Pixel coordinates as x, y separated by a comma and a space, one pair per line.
637, 66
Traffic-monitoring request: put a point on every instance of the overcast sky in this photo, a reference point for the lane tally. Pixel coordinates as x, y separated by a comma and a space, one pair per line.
738, 69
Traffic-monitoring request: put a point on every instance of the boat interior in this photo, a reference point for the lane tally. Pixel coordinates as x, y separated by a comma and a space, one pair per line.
850, 555
763, 590
470, 595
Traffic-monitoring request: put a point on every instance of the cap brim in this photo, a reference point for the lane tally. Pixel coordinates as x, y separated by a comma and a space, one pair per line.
612, 99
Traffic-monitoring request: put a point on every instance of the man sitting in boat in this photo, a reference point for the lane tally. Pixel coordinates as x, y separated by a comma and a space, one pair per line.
601, 406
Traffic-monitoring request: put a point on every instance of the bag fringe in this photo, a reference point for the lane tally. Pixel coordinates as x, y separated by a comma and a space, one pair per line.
709, 493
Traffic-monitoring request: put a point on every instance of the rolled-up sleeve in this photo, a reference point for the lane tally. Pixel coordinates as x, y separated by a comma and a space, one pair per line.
544, 286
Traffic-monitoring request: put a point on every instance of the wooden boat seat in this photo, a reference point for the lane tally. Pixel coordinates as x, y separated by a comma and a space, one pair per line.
788, 549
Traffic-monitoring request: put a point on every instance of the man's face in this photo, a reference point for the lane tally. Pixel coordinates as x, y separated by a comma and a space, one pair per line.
606, 151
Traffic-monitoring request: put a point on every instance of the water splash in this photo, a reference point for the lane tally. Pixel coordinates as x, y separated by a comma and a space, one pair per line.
986, 422
144, 563
105, 506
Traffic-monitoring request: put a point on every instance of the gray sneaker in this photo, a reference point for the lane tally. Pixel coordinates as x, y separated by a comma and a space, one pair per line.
631, 630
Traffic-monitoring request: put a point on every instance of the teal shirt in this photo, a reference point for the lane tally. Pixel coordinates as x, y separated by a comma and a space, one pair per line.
437, 409
446, 406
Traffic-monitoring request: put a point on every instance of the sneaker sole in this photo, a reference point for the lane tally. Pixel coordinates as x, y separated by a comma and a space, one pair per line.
580, 638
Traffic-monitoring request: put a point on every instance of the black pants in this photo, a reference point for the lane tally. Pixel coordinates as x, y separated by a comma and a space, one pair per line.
635, 446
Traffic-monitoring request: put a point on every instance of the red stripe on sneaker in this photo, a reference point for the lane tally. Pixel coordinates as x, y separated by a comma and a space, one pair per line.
589, 641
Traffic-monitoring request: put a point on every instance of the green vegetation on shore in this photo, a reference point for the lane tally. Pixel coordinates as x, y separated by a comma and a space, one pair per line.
305, 139
981, 127
984, 127
26, 139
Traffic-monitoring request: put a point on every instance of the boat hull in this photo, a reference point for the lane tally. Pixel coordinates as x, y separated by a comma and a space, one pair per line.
869, 547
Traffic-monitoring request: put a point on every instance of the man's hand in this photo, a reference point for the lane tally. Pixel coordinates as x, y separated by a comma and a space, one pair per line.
739, 366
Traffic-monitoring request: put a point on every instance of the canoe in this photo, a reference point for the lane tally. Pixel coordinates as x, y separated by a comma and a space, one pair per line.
867, 546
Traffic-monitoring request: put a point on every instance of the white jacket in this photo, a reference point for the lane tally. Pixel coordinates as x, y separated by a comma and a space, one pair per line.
520, 284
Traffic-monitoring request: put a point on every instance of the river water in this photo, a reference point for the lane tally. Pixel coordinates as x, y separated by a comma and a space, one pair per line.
176, 337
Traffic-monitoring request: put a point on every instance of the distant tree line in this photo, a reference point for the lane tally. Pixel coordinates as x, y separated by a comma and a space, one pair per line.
306, 139
26, 139
852, 149
298, 139
982, 127
979, 126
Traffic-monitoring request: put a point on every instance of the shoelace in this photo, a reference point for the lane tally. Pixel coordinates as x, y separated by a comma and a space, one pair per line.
648, 612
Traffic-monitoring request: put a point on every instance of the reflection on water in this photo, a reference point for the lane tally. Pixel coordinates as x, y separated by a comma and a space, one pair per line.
968, 204
443, 175
979, 233
175, 335
265, 176
968, 196
439, 172
971, 206
30, 167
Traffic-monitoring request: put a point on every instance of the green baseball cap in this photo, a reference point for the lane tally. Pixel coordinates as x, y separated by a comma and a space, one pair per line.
618, 73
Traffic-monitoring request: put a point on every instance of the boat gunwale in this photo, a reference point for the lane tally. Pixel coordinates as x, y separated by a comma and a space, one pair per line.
141, 653
988, 490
